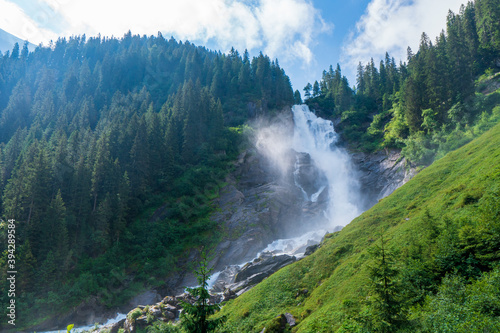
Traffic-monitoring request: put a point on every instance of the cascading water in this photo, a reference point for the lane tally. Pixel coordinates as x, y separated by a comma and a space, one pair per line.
321, 171
316, 137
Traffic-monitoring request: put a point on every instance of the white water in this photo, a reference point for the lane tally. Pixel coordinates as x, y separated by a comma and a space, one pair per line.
317, 137
110, 321
295, 246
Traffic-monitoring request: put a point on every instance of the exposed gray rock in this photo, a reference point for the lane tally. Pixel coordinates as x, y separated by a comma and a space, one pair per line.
311, 249
290, 319
381, 173
309, 177
228, 295
235, 281
263, 266
129, 326
225, 278
255, 210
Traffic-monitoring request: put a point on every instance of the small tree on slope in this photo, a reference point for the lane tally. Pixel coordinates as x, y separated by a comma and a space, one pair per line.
195, 317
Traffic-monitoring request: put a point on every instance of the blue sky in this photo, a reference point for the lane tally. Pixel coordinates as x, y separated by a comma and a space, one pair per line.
307, 36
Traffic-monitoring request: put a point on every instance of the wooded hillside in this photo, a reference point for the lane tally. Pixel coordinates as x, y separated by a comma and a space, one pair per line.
97, 133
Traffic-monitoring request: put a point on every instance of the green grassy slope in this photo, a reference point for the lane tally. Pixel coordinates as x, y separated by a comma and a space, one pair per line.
415, 220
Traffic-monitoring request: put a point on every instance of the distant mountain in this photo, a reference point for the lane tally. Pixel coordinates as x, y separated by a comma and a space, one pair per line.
8, 40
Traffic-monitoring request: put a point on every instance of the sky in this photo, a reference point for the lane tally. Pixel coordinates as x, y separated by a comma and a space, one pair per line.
306, 36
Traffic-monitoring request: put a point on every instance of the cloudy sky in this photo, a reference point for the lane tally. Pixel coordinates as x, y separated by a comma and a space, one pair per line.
306, 36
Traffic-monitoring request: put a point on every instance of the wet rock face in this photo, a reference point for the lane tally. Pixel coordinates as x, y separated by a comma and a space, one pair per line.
266, 264
309, 178
234, 280
381, 173
256, 207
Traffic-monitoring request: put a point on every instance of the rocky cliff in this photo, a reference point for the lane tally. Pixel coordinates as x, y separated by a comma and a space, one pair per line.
381, 173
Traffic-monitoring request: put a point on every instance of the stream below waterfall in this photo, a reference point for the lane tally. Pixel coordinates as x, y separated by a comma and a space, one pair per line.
331, 181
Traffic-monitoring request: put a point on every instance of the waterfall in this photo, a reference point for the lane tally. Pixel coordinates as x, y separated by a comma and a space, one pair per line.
316, 137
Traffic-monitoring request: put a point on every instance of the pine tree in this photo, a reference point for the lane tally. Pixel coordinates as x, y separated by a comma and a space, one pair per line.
316, 90
307, 90
195, 317
297, 99
388, 307
100, 170
360, 79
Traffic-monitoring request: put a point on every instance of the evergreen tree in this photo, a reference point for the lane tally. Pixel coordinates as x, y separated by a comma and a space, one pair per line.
307, 90
195, 317
315, 90
387, 306
297, 99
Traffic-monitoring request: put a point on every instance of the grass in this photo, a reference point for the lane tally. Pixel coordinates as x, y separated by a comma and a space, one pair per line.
336, 274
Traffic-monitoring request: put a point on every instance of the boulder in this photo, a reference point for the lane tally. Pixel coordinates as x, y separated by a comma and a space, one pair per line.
264, 267
228, 295
170, 315
129, 326
311, 249
290, 319
156, 312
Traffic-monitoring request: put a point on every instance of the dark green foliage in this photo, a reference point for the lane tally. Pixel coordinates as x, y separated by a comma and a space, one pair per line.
195, 317
297, 99
462, 307
387, 306
98, 134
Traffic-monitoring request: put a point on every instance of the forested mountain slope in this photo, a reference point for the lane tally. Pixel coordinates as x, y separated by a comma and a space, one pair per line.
423, 259
97, 133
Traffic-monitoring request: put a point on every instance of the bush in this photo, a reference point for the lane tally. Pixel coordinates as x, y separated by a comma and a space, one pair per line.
134, 314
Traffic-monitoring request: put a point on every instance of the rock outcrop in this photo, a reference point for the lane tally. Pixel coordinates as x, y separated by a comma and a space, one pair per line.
381, 173
232, 282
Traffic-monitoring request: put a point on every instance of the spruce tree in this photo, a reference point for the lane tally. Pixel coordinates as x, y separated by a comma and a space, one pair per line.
387, 306
195, 317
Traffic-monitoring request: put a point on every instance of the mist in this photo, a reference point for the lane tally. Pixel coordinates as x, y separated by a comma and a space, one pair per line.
322, 171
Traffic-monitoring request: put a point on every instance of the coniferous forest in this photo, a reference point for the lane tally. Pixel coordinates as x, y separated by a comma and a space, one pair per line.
95, 135
112, 151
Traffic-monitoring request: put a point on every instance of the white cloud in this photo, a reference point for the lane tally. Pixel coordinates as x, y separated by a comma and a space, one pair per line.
280, 28
393, 25
15, 21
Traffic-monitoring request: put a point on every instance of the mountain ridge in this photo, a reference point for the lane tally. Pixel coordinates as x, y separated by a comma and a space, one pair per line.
8, 40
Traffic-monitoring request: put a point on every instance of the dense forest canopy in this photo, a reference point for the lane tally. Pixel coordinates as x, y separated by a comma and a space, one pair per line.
95, 132
428, 104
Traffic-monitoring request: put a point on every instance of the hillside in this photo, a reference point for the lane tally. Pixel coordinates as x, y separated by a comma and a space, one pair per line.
441, 230
98, 134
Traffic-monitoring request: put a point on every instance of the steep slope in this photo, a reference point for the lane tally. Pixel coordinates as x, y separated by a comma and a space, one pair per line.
441, 222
